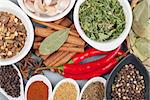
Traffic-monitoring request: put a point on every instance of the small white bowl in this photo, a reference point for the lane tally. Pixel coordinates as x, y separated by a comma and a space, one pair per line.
111, 44
21, 97
70, 81
95, 79
46, 18
39, 78
8, 6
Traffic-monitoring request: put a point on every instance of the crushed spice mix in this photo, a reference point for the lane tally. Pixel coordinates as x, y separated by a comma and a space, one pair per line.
12, 35
66, 91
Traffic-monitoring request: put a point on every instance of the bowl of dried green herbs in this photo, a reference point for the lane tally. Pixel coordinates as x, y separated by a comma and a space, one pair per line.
103, 24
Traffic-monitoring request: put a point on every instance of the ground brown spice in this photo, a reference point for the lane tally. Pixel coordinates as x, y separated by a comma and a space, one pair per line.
95, 91
66, 91
37, 91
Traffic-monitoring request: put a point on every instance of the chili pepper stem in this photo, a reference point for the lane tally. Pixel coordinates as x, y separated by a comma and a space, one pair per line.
49, 67
58, 67
120, 57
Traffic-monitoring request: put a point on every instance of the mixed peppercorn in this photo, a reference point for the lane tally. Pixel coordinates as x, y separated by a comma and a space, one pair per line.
128, 84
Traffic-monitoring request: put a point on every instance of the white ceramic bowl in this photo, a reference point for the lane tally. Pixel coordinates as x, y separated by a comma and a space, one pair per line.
8, 6
46, 18
95, 79
39, 78
70, 81
111, 44
21, 97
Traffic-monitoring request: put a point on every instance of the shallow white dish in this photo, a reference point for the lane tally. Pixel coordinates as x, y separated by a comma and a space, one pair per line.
8, 6
111, 44
39, 78
21, 97
95, 79
70, 81
46, 18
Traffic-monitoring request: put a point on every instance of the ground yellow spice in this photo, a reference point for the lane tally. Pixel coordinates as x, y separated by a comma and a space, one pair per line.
66, 91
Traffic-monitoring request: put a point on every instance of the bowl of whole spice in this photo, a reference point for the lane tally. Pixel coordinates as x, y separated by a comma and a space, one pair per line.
38, 88
16, 33
11, 83
94, 89
66, 89
103, 24
128, 81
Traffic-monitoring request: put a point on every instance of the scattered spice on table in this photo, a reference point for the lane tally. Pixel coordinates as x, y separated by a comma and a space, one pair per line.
10, 80
128, 84
37, 91
95, 91
102, 20
12, 35
66, 91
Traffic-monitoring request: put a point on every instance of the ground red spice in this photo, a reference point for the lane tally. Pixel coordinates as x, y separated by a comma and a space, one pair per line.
37, 91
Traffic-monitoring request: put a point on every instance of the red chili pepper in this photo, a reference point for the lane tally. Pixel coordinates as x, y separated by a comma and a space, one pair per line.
98, 72
88, 67
88, 53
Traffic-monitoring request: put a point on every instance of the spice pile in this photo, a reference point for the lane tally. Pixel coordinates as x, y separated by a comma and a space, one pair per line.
66, 91
10, 80
95, 91
12, 35
37, 91
128, 84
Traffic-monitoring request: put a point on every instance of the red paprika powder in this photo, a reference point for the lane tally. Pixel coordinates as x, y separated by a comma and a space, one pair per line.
37, 91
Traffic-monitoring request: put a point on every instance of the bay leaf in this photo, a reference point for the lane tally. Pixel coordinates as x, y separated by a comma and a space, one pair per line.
141, 21
143, 46
53, 42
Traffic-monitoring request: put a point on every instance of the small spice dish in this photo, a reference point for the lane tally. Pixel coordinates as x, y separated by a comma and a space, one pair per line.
21, 97
130, 59
44, 17
43, 79
95, 79
107, 45
6, 6
70, 81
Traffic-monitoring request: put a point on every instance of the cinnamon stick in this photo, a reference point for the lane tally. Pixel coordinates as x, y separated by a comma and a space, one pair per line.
75, 40
66, 22
58, 58
59, 21
36, 45
65, 59
69, 45
44, 57
55, 26
52, 57
73, 27
72, 49
43, 32
38, 39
